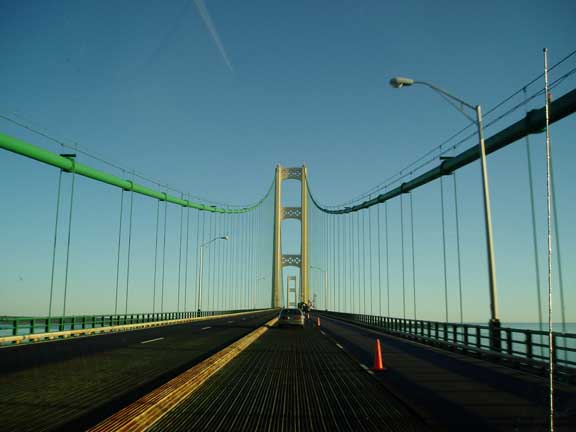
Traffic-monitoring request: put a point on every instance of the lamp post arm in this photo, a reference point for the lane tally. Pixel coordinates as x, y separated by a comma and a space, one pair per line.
445, 93
456, 102
208, 242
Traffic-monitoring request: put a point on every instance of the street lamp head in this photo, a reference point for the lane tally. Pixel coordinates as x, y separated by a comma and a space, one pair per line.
398, 82
225, 237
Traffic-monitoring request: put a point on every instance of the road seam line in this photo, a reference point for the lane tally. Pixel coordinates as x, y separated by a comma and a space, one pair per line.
152, 340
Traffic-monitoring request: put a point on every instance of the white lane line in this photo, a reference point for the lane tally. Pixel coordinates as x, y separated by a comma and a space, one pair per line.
151, 340
364, 367
322, 332
339, 346
230, 322
206, 328
370, 372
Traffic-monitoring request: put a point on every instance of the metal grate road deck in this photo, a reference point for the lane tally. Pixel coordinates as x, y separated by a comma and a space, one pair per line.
292, 380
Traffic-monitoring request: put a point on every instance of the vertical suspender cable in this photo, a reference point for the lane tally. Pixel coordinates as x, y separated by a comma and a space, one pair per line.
379, 262
339, 256
345, 263
180, 256
118, 254
413, 252
370, 257
231, 255
364, 264
217, 253
402, 252
221, 261
199, 215
458, 247
249, 259
164, 255
327, 296
334, 270
387, 258
210, 261
352, 264
549, 232
342, 267
444, 250
226, 222
186, 260
129, 250
156, 257
69, 236
54, 248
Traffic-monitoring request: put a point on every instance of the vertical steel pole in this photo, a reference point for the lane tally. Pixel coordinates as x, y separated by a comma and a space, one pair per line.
494, 324
549, 237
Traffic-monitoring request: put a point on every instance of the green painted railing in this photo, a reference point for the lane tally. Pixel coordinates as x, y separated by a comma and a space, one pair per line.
522, 348
19, 326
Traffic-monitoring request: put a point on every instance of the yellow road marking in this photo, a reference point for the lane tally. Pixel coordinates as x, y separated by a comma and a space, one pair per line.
146, 411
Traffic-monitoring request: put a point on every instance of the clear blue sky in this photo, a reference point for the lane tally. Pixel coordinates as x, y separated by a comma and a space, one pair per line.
208, 96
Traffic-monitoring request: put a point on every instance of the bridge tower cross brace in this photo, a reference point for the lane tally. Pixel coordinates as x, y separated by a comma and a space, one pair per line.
280, 213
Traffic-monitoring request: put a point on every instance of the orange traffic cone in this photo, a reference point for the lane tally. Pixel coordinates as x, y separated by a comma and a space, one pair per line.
378, 364
318, 321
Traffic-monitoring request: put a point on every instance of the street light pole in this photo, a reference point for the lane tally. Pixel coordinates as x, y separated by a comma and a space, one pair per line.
325, 285
201, 267
399, 82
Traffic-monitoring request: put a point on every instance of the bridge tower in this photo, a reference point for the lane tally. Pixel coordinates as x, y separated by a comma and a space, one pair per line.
280, 213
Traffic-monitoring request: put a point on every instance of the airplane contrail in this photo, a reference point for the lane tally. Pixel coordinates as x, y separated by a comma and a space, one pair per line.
201, 6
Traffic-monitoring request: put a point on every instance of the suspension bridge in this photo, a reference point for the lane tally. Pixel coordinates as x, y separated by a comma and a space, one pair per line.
188, 338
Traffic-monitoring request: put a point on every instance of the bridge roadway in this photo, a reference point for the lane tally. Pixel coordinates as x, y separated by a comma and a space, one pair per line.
74, 383
289, 379
317, 379
292, 379
455, 392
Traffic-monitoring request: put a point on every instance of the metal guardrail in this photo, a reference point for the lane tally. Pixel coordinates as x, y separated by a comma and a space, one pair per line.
523, 348
19, 326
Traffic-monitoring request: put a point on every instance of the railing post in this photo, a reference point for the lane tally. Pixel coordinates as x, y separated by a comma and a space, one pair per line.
509, 341
495, 336
528, 335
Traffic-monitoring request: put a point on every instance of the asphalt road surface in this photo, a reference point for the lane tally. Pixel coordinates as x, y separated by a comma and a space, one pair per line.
74, 383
